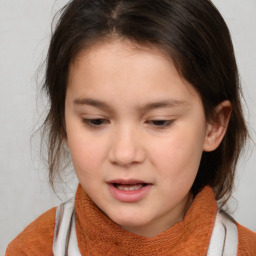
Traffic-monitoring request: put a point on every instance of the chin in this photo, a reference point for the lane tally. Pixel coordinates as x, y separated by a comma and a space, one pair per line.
129, 220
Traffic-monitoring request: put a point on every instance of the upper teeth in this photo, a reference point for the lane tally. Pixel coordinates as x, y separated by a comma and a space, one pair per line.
130, 187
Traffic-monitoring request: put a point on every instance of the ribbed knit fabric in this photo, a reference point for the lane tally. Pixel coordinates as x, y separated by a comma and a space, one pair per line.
246, 241
98, 235
36, 239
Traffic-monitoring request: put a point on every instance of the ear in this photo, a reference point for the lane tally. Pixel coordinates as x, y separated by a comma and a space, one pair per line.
217, 126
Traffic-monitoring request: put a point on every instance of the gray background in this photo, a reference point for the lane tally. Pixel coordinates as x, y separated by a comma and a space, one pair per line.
24, 37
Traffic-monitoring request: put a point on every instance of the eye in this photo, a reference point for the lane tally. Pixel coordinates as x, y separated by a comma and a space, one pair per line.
95, 123
160, 124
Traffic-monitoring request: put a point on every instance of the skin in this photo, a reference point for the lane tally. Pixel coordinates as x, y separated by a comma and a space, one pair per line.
130, 115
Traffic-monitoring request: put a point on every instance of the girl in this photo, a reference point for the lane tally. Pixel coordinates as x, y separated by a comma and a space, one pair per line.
144, 96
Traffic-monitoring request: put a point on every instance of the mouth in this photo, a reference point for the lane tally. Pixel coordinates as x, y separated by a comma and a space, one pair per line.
129, 187
129, 190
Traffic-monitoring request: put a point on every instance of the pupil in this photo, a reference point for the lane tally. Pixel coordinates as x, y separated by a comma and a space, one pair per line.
97, 121
160, 122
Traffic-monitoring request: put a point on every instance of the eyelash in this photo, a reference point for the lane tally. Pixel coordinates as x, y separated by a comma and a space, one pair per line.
161, 124
99, 122
95, 123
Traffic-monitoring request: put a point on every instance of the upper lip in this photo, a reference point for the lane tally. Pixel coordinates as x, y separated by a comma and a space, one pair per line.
127, 182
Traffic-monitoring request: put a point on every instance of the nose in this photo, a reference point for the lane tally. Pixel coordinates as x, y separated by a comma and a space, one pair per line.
126, 148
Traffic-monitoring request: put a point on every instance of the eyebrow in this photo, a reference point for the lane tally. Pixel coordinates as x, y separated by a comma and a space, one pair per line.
95, 103
168, 103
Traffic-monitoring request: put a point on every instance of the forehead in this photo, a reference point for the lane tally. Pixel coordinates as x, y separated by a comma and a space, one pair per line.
119, 44
120, 65
101, 54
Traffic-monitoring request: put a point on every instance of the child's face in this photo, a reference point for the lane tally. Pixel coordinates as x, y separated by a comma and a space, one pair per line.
136, 131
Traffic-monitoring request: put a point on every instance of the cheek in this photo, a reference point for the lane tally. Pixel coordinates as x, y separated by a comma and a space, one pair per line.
87, 162
178, 157
87, 152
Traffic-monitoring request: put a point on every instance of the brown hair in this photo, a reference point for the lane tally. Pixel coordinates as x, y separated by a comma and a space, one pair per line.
191, 32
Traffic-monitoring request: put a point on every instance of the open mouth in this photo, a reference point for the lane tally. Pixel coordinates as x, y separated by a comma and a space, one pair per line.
129, 187
129, 191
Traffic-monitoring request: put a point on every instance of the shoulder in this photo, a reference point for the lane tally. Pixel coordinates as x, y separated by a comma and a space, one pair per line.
246, 241
36, 238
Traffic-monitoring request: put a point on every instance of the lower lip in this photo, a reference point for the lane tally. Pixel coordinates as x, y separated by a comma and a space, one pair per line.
129, 196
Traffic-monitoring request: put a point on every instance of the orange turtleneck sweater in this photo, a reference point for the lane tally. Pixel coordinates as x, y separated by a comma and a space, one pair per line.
98, 235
